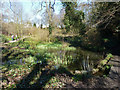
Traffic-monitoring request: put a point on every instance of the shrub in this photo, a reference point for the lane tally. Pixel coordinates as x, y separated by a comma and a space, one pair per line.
4, 38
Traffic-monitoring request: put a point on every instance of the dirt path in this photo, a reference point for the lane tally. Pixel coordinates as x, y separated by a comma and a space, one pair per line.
114, 74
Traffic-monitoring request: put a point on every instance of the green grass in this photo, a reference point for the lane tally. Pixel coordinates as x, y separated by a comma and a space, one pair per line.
77, 77
48, 45
53, 83
13, 72
4, 38
53, 45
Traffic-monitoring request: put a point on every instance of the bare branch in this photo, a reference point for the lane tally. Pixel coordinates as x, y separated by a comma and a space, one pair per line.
53, 6
108, 16
11, 8
41, 7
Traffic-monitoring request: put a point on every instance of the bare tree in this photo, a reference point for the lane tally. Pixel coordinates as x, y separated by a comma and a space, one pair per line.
17, 9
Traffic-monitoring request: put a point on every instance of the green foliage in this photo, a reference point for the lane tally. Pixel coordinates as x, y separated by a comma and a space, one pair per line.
104, 66
107, 69
4, 38
106, 23
41, 26
53, 83
105, 61
25, 45
50, 29
54, 45
77, 77
34, 24
73, 18
30, 59
109, 55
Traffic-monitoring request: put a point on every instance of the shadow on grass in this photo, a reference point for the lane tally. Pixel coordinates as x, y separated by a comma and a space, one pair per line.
5, 58
45, 76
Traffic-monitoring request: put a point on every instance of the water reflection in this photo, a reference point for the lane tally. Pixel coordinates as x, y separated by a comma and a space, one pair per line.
78, 59
73, 59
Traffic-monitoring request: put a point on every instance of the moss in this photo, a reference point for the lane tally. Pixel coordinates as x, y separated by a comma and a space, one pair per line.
109, 55
103, 62
104, 67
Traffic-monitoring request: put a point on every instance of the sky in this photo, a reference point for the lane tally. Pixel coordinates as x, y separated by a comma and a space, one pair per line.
28, 5
29, 8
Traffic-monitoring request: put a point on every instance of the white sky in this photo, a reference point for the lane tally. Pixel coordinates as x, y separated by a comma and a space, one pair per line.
28, 13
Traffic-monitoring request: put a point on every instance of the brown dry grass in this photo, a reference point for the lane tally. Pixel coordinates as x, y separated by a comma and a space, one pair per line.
39, 34
35, 33
43, 34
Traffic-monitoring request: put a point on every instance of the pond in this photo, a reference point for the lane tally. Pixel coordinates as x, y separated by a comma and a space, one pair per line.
72, 59
78, 59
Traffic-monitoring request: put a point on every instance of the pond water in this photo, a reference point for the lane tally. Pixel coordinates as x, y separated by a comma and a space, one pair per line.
77, 59
72, 59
